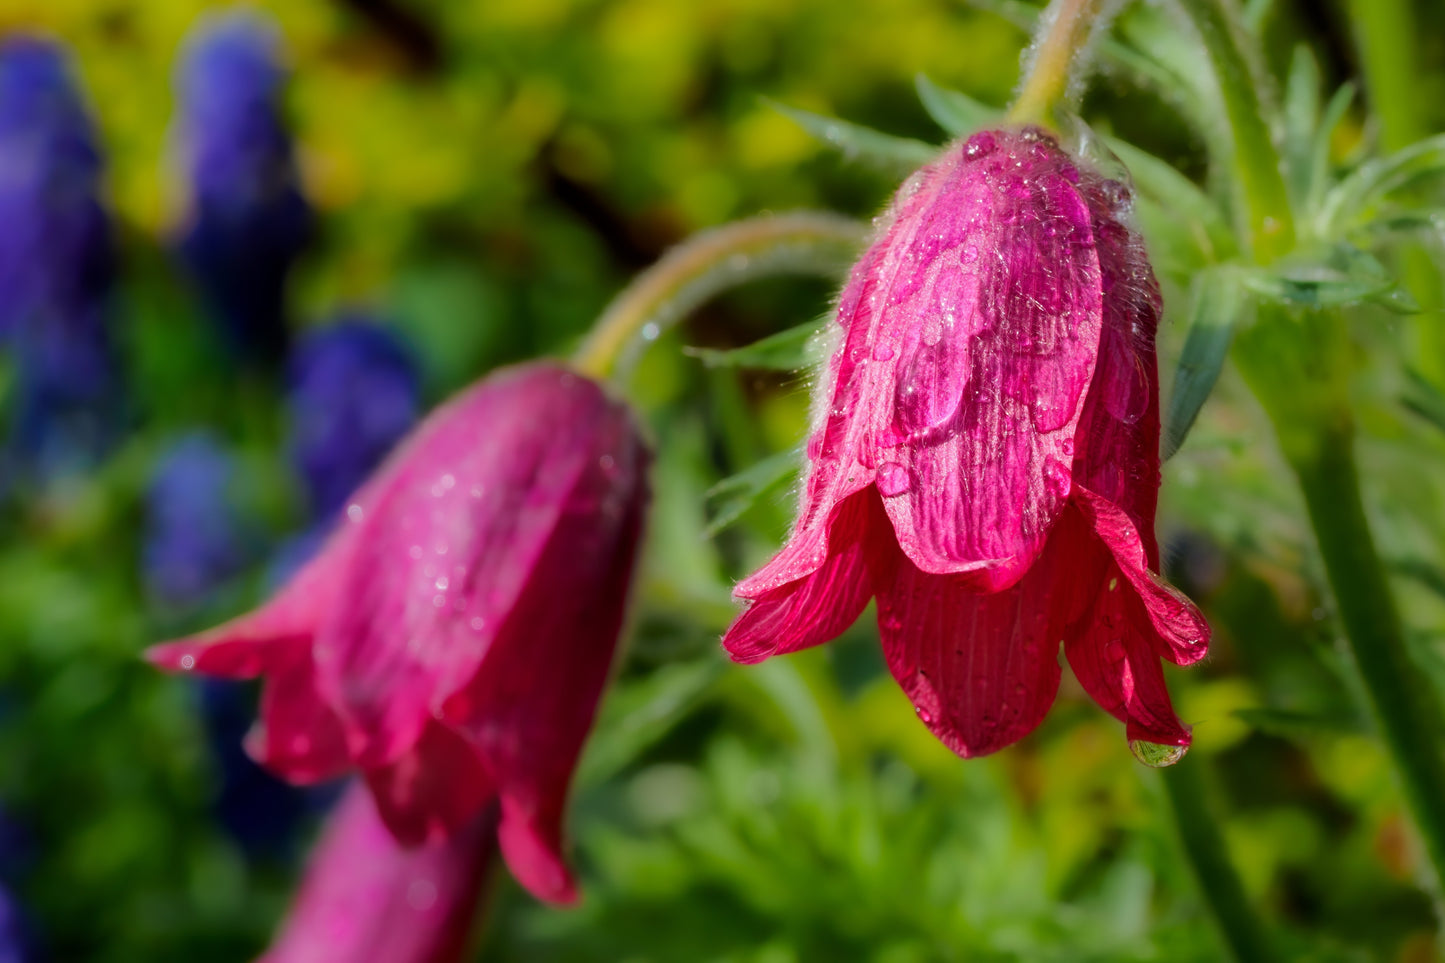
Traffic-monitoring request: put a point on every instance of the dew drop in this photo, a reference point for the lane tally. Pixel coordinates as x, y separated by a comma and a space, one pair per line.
1057, 478
476, 623
893, 479
924, 714
650, 331
1156, 755
439, 600
442, 584
980, 145
354, 512
188, 662
882, 352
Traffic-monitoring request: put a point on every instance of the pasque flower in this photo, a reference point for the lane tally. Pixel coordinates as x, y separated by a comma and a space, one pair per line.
453, 637
985, 459
365, 897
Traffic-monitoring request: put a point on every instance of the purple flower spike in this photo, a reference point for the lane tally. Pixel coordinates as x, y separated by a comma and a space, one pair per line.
248, 221
56, 264
452, 639
986, 460
354, 391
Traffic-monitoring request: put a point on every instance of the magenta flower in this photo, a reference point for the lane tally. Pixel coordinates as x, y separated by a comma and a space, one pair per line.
364, 897
453, 637
986, 458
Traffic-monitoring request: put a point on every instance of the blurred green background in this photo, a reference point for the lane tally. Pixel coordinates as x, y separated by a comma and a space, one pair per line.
487, 175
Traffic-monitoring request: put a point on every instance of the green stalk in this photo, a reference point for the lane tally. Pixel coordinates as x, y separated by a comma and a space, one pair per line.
1255, 160
1298, 364
1055, 61
1219, 885
801, 242
1385, 32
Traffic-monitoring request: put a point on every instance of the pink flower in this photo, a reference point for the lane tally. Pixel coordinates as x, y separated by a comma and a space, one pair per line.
452, 639
986, 460
366, 898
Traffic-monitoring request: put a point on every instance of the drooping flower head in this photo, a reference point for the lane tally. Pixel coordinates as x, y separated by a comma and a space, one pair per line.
985, 460
365, 897
56, 262
354, 392
248, 220
453, 637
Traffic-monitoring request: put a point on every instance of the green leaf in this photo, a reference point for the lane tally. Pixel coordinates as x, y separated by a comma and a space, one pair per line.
639, 713
1418, 569
1301, 118
1176, 213
1424, 399
1346, 276
792, 350
1218, 303
1372, 182
1329, 122
954, 111
1291, 724
883, 152
736, 494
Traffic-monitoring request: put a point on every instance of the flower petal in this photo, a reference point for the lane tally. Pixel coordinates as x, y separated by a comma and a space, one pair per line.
982, 669
434, 790
1117, 664
988, 313
366, 897
819, 606
456, 534
297, 737
1179, 631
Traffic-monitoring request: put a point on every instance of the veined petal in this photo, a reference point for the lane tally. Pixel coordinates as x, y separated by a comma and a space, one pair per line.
819, 606
1178, 630
988, 318
982, 669
1118, 665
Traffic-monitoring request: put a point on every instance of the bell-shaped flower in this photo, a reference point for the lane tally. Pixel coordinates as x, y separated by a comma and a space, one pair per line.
453, 637
365, 897
985, 457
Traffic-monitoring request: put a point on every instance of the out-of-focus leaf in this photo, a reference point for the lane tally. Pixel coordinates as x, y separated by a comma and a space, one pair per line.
1424, 399
1351, 200
1422, 223
1218, 303
1427, 574
1291, 724
1329, 121
1186, 228
883, 152
1301, 119
736, 494
953, 110
1255, 12
790, 350
638, 714
1346, 275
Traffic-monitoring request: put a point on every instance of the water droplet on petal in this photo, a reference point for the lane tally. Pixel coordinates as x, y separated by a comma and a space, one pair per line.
1057, 478
354, 512
980, 145
893, 479
882, 352
1155, 754
924, 714
188, 662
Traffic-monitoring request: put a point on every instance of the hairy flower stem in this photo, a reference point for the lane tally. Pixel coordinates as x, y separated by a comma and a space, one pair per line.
1066, 28
803, 242
1219, 884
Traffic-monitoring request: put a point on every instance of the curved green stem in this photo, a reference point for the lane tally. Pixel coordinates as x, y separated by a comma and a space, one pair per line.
1219, 884
1066, 30
803, 242
1256, 161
